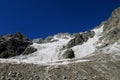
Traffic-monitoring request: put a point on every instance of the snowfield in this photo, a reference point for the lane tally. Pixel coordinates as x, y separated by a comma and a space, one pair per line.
90, 46
49, 53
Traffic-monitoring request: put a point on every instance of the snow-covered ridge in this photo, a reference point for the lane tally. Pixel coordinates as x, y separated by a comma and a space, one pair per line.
50, 52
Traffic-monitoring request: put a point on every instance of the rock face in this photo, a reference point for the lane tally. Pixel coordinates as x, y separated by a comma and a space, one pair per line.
68, 54
14, 44
80, 38
29, 50
111, 30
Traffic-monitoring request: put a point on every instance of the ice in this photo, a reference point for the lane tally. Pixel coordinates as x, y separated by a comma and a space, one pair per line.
48, 53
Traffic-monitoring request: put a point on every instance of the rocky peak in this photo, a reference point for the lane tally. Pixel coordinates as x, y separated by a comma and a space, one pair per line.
15, 44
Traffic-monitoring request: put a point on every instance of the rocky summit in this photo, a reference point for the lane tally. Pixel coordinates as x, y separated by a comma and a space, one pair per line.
90, 55
15, 44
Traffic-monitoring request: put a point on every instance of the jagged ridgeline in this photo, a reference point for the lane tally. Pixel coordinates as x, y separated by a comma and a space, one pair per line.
90, 55
15, 44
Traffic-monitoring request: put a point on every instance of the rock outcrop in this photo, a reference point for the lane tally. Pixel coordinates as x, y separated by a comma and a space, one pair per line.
68, 54
14, 44
80, 38
111, 31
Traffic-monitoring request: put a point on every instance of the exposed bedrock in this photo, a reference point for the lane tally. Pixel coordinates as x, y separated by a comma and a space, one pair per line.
111, 29
15, 44
68, 54
79, 39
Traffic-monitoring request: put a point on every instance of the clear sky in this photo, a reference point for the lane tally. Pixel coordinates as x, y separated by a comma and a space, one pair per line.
41, 18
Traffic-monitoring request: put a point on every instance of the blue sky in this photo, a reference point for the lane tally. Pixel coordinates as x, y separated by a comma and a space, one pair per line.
41, 18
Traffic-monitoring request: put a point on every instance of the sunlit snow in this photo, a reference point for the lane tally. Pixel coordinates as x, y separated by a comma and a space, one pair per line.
50, 52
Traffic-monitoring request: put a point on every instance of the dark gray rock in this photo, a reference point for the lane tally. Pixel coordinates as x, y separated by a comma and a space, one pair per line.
68, 54
4, 54
79, 39
76, 41
14, 44
90, 34
29, 50
84, 37
71, 43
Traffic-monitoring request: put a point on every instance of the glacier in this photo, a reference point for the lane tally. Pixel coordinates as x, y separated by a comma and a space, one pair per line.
49, 53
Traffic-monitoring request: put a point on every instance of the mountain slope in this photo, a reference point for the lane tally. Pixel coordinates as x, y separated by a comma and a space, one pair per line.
96, 57
52, 51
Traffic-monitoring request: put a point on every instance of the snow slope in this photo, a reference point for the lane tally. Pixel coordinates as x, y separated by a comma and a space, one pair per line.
46, 52
90, 46
50, 52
